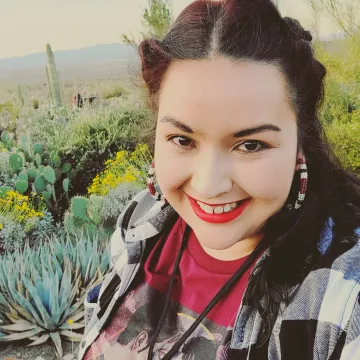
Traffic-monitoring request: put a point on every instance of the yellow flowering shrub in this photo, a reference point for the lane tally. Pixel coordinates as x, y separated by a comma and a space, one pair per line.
18, 208
123, 168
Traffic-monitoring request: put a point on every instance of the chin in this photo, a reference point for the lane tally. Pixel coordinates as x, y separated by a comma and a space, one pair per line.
216, 241
216, 246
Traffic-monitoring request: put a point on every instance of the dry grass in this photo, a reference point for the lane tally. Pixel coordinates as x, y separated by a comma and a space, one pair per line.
102, 88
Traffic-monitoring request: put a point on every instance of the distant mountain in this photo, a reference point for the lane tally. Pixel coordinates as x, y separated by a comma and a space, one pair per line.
95, 61
99, 61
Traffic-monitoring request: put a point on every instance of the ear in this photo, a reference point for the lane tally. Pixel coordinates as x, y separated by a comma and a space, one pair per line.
300, 156
140, 341
300, 159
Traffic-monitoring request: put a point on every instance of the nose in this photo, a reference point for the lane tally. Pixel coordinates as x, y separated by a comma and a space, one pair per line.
211, 176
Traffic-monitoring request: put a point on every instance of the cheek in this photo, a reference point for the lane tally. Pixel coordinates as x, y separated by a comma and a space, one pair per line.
169, 169
268, 179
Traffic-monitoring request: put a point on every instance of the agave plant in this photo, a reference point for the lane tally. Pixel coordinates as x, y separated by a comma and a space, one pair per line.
42, 291
90, 259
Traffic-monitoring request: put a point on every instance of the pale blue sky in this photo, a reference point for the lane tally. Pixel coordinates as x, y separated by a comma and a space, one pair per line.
27, 25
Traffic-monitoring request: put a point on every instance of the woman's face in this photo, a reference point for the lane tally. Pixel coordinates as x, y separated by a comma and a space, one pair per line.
198, 155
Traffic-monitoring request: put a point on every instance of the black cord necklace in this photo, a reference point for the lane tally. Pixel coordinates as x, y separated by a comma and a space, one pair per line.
223, 291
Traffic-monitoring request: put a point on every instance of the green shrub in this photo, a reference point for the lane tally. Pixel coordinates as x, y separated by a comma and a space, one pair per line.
123, 168
43, 229
29, 166
116, 200
338, 98
342, 83
84, 217
4, 161
12, 235
35, 104
18, 209
95, 136
8, 115
115, 90
345, 139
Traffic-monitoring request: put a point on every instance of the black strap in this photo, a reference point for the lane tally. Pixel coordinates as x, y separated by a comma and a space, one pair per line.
168, 296
223, 291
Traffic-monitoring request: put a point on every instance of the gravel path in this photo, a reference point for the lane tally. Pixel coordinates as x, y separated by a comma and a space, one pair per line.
46, 351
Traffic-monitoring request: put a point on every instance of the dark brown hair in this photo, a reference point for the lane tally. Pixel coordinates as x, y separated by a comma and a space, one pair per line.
253, 30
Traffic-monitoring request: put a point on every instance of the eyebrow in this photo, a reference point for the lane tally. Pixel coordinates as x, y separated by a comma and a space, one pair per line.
241, 133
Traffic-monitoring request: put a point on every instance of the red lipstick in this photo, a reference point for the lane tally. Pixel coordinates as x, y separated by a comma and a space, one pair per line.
218, 218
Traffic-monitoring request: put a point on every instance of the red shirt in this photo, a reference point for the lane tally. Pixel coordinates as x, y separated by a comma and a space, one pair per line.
199, 278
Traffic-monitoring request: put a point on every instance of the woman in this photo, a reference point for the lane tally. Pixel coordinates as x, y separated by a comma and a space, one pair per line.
254, 236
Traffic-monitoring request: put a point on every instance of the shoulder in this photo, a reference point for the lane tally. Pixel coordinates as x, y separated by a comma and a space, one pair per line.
330, 292
124, 220
141, 209
333, 285
327, 304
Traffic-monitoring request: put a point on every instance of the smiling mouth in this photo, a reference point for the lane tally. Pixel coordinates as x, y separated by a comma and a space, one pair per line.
218, 213
218, 208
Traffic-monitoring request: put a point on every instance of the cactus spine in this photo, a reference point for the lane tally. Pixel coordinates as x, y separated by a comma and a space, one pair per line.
53, 77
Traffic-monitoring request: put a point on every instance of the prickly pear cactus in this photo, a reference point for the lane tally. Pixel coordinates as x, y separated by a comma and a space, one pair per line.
24, 142
40, 184
38, 148
33, 173
37, 160
94, 209
73, 224
57, 161
49, 175
78, 207
16, 162
4, 137
21, 186
46, 195
66, 183
66, 168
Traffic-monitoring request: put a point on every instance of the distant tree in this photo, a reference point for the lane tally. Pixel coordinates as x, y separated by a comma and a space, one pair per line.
345, 14
316, 13
157, 19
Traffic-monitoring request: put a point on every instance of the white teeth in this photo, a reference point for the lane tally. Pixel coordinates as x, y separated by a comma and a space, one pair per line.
208, 209
219, 210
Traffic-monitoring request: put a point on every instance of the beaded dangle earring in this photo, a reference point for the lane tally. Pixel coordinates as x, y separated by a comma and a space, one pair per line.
301, 170
151, 187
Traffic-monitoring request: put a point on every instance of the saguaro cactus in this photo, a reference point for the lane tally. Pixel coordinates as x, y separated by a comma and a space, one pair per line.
50, 97
20, 96
53, 77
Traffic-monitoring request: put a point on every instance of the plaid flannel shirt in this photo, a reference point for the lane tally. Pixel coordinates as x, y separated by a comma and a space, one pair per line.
322, 322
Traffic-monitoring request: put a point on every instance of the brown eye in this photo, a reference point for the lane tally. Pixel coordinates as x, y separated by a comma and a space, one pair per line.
181, 141
252, 146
